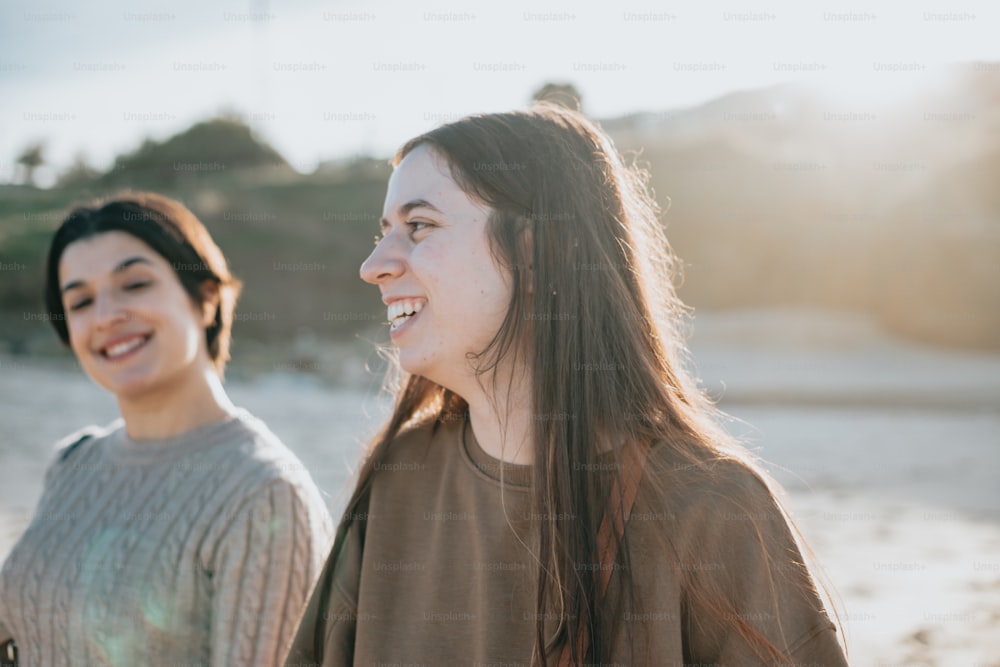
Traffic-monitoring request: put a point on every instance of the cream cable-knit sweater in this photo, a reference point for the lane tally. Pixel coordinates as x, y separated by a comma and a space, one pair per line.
199, 549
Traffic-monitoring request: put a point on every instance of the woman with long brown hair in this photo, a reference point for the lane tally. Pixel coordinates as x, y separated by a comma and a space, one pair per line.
551, 486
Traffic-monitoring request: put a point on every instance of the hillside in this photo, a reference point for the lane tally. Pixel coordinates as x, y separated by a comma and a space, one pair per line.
777, 197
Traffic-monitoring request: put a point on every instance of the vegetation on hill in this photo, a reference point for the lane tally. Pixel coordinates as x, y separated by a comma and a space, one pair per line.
776, 197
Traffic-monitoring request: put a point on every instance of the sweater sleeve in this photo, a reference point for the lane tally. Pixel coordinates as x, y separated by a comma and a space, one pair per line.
265, 565
749, 574
327, 628
62, 451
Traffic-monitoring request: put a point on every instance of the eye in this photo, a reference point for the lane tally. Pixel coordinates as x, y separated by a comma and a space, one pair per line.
82, 303
413, 226
137, 285
417, 225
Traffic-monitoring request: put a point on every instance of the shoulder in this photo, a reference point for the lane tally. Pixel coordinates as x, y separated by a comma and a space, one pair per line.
413, 442
72, 447
721, 480
257, 470
259, 456
718, 500
263, 478
66, 445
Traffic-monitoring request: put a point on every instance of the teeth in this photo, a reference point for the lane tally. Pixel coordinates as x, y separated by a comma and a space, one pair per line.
122, 348
398, 311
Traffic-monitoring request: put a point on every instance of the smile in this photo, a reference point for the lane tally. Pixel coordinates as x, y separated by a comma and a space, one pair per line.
401, 311
123, 348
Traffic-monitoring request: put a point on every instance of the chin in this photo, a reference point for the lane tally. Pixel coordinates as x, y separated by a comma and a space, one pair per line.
410, 369
413, 364
130, 387
128, 391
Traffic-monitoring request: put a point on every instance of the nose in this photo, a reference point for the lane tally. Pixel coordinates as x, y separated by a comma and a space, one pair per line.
108, 311
385, 261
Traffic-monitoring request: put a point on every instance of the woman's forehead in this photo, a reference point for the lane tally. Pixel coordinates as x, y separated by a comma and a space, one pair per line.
422, 169
424, 175
104, 253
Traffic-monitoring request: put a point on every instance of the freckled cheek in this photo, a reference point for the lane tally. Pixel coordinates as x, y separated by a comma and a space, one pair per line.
494, 293
431, 267
427, 253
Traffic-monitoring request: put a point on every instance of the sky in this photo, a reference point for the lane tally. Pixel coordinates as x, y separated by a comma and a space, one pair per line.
328, 80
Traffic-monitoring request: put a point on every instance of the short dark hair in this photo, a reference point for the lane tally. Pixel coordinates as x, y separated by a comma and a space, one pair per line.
170, 229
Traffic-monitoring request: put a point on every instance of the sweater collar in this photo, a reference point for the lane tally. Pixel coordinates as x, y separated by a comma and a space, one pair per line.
511, 474
151, 450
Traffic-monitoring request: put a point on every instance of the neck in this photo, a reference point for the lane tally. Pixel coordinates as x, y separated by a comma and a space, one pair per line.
174, 410
504, 429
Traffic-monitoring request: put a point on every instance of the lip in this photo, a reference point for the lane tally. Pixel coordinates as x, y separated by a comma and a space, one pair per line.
124, 338
393, 299
396, 332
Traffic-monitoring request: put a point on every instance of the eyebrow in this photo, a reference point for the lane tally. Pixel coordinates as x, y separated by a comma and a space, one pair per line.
74, 284
409, 206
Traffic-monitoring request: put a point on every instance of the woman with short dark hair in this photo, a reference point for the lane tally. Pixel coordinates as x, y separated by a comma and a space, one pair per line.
186, 532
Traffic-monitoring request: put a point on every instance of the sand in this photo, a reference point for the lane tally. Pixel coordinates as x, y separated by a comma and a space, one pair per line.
889, 452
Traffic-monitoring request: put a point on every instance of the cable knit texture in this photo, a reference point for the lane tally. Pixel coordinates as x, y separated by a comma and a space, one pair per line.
199, 549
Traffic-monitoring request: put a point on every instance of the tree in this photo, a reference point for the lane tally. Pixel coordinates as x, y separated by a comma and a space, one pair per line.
563, 94
223, 145
79, 173
30, 159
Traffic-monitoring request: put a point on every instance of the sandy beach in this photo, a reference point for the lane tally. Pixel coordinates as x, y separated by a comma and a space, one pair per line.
889, 452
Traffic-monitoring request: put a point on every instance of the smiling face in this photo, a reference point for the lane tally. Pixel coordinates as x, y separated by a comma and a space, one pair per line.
131, 324
434, 261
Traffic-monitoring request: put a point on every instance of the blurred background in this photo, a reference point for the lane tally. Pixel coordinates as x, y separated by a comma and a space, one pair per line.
831, 180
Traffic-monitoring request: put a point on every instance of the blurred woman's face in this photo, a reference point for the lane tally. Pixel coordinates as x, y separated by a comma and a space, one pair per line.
131, 325
445, 295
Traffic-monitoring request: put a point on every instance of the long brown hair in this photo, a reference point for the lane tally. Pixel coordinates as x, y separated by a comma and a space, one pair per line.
595, 319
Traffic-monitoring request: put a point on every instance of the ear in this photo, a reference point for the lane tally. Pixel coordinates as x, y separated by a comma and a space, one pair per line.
210, 302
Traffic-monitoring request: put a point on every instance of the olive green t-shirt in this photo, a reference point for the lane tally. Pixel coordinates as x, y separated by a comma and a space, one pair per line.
439, 569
